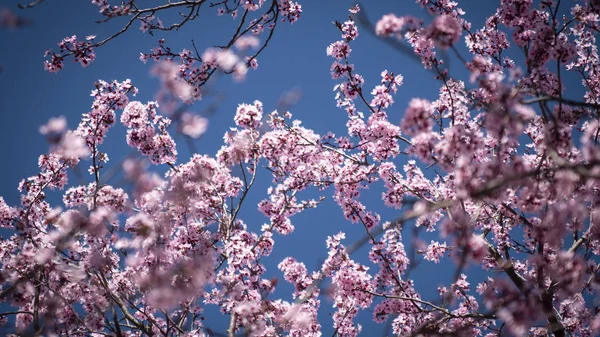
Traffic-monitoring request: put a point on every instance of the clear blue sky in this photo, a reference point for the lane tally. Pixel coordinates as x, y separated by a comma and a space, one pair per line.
295, 59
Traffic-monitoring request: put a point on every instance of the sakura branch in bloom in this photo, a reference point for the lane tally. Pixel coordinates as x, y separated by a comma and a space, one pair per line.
194, 67
502, 168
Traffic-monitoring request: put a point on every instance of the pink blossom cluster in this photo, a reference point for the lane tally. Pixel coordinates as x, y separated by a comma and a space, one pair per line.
109, 10
82, 52
108, 97
289, 10
142, 121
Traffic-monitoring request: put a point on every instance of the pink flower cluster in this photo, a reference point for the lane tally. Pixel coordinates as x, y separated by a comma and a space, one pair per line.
249, 116
82, 52
142, 121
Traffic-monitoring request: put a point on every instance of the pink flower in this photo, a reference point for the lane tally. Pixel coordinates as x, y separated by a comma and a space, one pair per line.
55, 126
72, 146
141, 121
445, 30
247, 42
289, 10
249, 116
193, 125
7, 214
339, 50
225, 59
388, 25
417, 117
435, 251
170, 76
253, 5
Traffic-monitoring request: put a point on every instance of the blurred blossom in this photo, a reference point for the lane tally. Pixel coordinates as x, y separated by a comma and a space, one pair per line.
246, 42
193, 125
289, 98
168, 72
224, 59
55, 126
239, 71
73, 146
134, 168
445, 30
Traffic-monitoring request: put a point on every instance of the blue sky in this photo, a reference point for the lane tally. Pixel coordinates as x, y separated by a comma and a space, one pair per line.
294, 60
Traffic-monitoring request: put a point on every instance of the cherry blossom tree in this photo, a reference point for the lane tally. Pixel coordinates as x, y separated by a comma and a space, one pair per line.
503, 169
